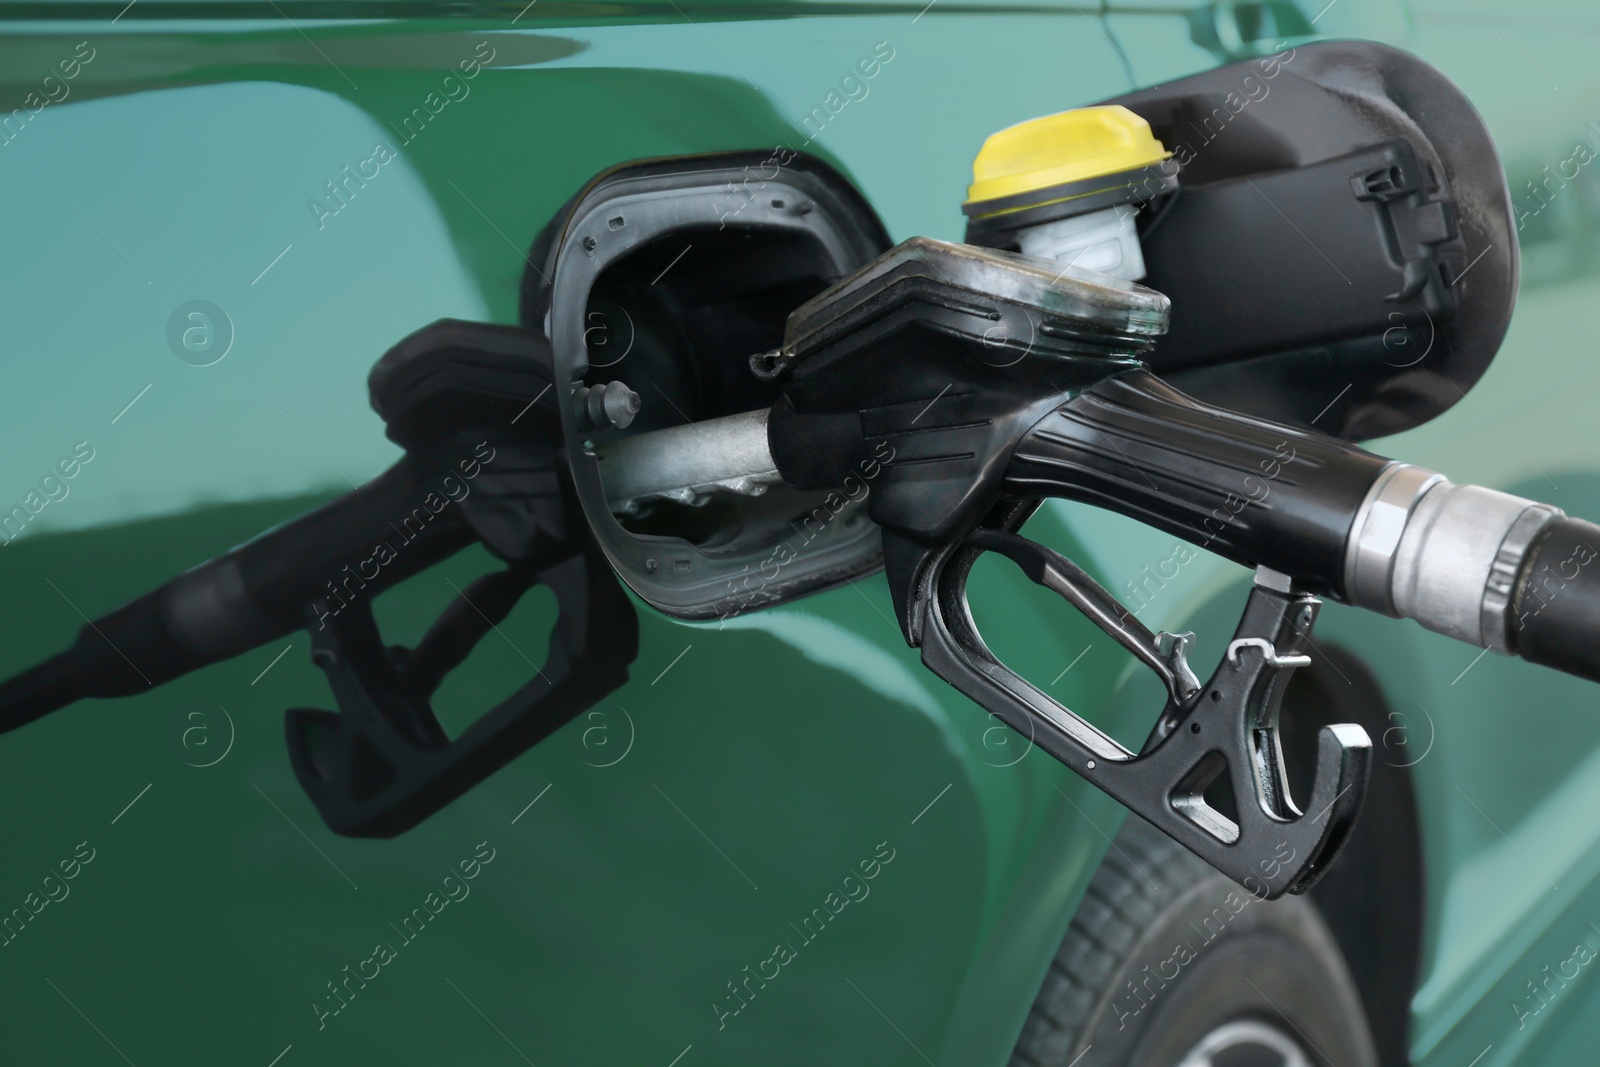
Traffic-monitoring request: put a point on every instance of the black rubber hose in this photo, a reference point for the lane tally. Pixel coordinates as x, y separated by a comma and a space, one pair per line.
1556, 611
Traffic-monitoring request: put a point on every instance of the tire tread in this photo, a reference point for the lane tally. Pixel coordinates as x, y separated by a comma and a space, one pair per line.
1143, 871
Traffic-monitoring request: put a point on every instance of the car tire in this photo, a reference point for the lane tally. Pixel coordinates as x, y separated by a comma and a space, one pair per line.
1168, 963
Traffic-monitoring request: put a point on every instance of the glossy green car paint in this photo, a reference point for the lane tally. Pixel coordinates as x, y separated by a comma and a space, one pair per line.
650, 858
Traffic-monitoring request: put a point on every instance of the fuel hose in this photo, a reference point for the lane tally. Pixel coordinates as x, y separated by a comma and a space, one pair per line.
1489, 568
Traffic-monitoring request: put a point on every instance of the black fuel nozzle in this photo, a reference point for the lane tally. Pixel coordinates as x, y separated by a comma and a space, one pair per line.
977, 382
477, 410
974, 383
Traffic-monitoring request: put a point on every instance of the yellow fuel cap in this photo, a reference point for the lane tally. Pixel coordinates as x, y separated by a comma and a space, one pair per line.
1058, 157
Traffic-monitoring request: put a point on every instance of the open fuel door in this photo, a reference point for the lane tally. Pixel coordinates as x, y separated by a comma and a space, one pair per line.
669, 275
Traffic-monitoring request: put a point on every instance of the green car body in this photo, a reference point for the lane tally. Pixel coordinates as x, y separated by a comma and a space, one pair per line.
783, 842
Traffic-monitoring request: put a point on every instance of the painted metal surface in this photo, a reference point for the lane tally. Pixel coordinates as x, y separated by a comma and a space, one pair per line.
638, 877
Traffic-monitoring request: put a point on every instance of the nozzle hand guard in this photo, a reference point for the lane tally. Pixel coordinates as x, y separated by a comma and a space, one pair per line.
1229, 724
